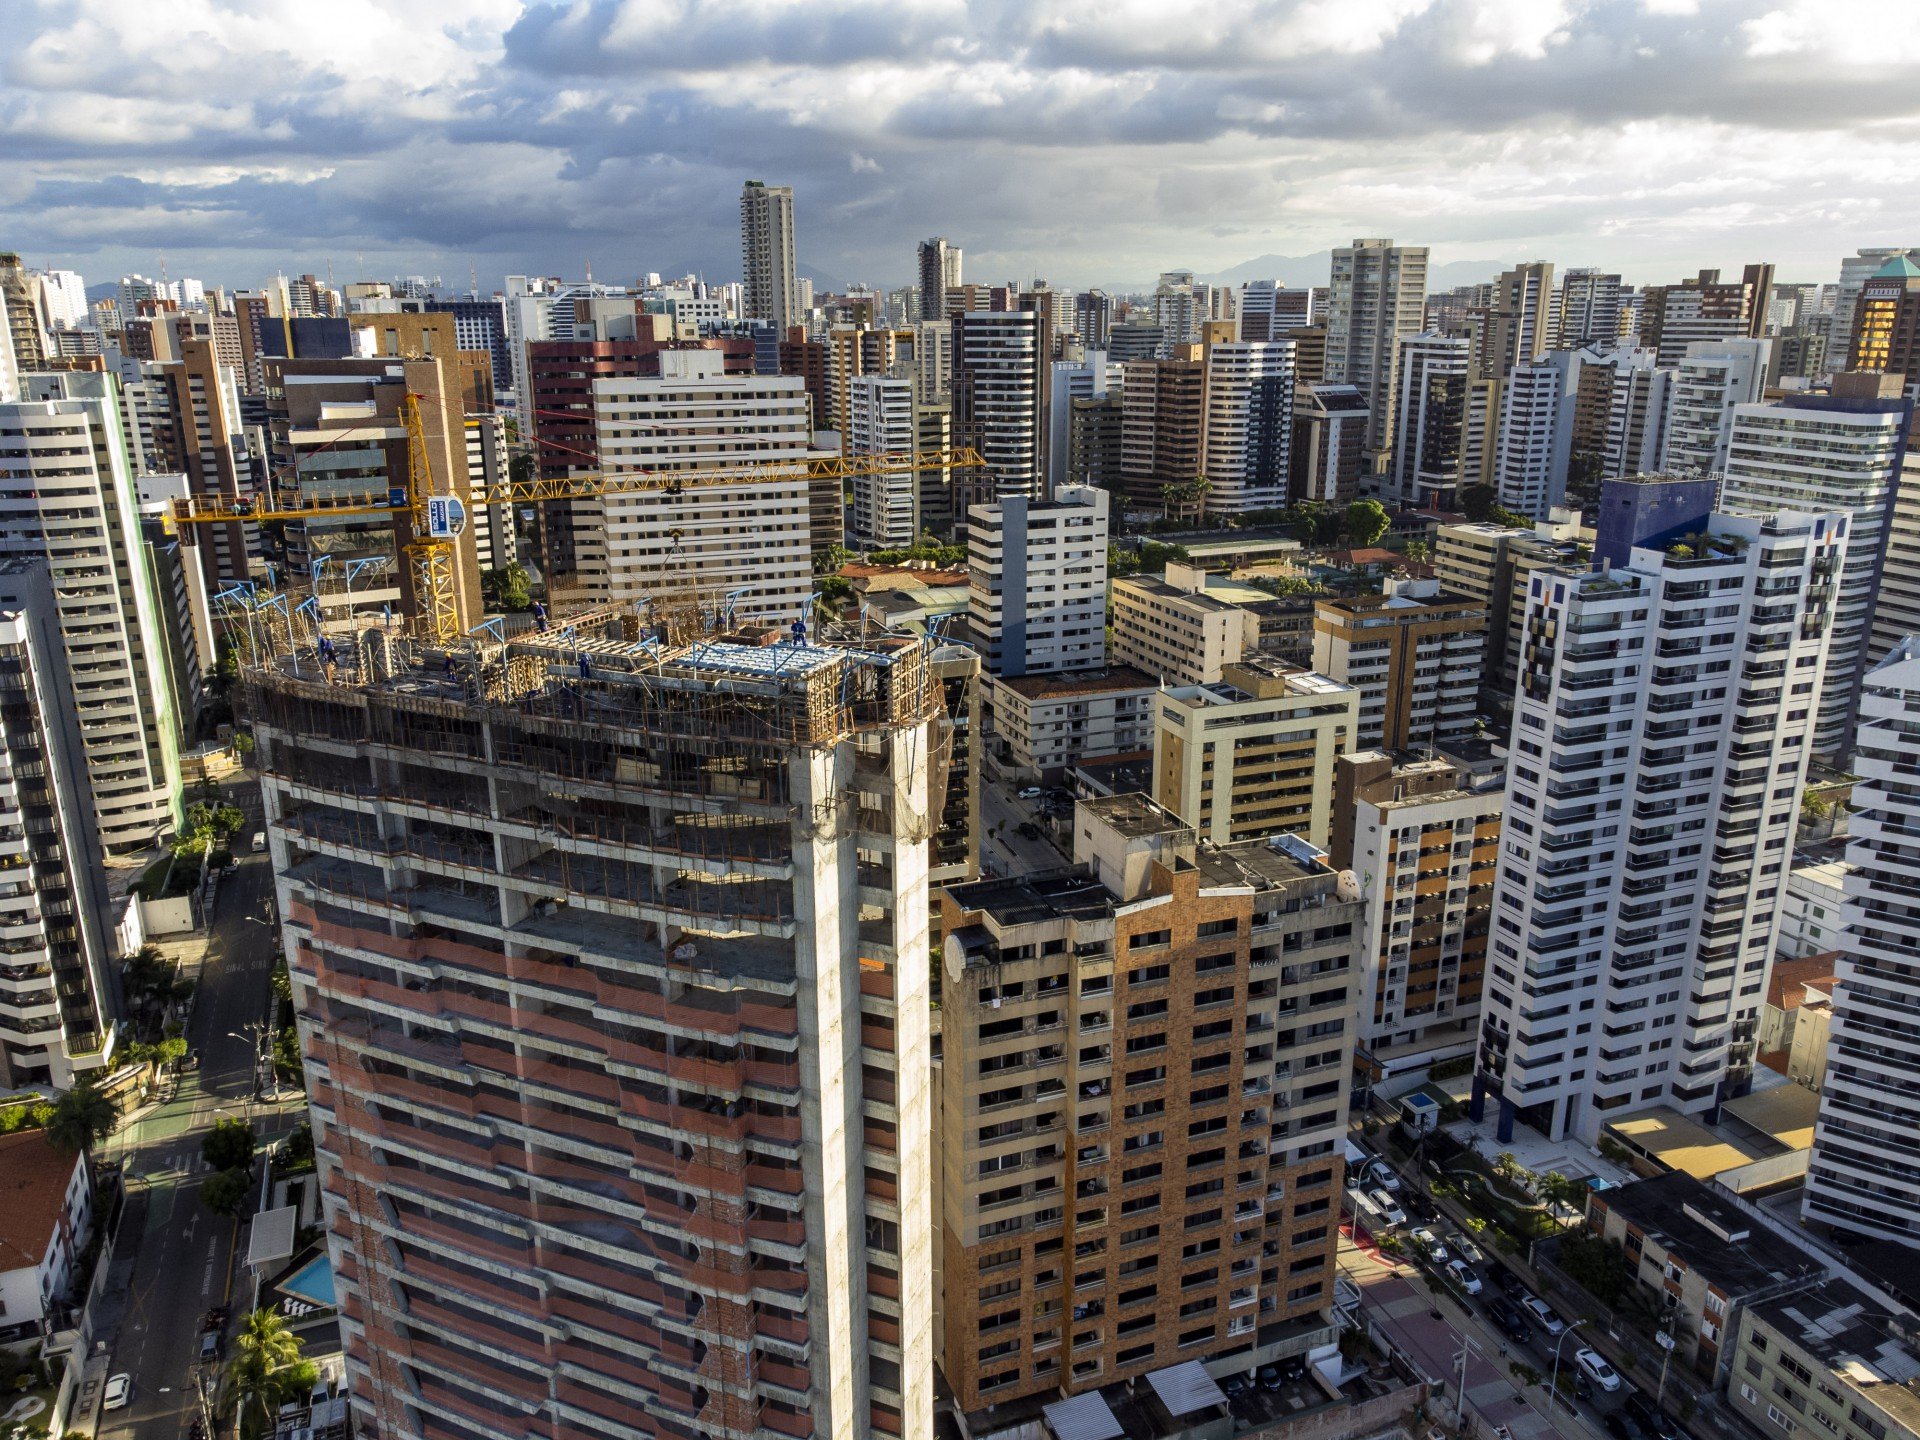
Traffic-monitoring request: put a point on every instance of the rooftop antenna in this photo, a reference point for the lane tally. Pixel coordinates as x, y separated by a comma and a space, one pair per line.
473, 279
589, 270
329, 272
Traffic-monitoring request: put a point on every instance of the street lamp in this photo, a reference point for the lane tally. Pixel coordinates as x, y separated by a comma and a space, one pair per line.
1666, 1342
1553, 1385
256, 1037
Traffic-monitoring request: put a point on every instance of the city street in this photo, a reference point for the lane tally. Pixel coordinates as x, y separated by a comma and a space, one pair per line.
185, 1255
1004, 849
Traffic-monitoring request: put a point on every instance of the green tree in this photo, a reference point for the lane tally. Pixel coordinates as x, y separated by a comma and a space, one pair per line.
829, 560
1597, 1266
226, 1191
229, 1145
81, 1118
288, 1063
1417, 551
267, 1370
1367, 521
520, 469
508, 588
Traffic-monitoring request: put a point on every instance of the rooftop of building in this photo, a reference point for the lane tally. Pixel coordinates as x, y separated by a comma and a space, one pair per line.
1134, 815
33, 1195
1783, 1114
1157, 587
1112, 680
1683, 1145
1273, 864
1270, 677
1857, 1339
1709, 1232
1787, 985
1425, 599
1030, 899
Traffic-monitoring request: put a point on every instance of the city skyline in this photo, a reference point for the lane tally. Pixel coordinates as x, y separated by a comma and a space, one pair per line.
1654, 138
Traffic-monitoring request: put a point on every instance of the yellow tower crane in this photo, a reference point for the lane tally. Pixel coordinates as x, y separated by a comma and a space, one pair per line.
435, 521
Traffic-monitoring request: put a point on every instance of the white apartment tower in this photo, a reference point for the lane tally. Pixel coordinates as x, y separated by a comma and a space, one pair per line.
1711, 379
1249, 426
495, 542
738, 548
69, 499
1589, 309
1534, 444
1378, 295
1037, 596
766, 252
1814, 455
1664, 723
886, 507
1864, 1175
1268, 310
1636, 409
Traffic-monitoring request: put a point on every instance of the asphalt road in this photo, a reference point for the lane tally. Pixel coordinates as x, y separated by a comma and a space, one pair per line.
1004, 849
185, 1260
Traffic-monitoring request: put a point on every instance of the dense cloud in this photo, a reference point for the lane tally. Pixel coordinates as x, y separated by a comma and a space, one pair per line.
1084, 143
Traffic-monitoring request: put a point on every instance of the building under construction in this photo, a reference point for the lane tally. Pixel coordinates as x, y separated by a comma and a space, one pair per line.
611, 963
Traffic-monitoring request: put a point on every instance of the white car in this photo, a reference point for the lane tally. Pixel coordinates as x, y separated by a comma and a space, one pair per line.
1598, 1371
1463, 1275
119, 1391
1381, 1173
1390, 1212
1424, 1237
1032, 792
1543, 1315
1468, 1251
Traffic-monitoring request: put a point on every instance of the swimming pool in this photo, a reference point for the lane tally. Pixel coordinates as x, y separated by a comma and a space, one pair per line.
312, 1282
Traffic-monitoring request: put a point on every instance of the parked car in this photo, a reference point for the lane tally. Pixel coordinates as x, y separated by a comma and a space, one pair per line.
209, 1346
119, 1390
1595, 1366
1511, 1285
1384, 1175
1649, 1418
1383, 1203
259, 841
1032, 792
1621, 1427
1509, 1317
1269, 1377
1424, 1237
1419, 1205
1294, 1367
1236, 1385
1544, 1315
1029, 829
1468, 1251
1463, 1275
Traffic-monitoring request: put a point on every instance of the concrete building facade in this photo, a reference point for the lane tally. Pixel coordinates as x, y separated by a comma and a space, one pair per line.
1037, 582
1415, 655
1378, 294
1664, 725
610, 967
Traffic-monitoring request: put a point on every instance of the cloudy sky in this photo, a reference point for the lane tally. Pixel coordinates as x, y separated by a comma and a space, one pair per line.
1085, 141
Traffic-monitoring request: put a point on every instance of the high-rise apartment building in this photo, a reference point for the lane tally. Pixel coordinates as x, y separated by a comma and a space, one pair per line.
1516, 327
1896, 606
1649, 821
1163, 428
496, 542
1251, 756
939, 267
1142, 1094
1000, 360
1863, 1178
207, 443
1488, 565
1329, 444
1886, 328
25, 313
1378, 297
1705, 311
1268, 310
1245, 454
1815, 455
1093, 318
1423, 837
71, 502
1709, 382
1088, 378
766, 248
1037, 593
1855, 270
56, 1005
1175, 311
1414, 653
886, 507
619, 1063
1589, 309
740, 549
1620, 411
1533, 444
1430, 421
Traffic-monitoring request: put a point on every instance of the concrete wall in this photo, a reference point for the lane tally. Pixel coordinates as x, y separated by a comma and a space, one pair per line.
167, 917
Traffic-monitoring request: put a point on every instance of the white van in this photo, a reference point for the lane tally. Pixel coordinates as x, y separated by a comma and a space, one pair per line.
259, 841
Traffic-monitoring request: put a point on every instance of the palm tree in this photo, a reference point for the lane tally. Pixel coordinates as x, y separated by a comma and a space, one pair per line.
82, 1118
267, 1370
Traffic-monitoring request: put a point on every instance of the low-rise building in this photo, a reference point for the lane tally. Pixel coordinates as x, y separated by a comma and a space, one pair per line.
1169, 626
1699, 1258
46, 1220
1795, 1019
1046, 723
1252, 756
1827, 1361
1810, 916
1141, 1097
